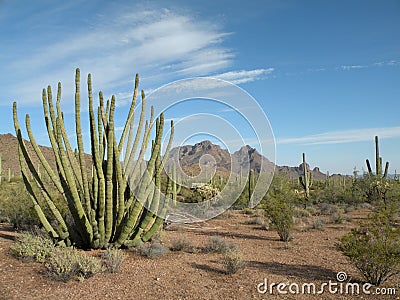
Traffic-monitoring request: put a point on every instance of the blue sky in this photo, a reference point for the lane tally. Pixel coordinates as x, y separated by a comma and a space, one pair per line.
325, 73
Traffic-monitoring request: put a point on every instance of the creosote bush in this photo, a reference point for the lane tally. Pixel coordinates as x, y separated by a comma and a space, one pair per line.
279, 207
280, 212
374, 248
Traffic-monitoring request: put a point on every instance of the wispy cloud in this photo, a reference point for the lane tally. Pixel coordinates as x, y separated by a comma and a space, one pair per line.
345, 136
353, 67
387, 63
243, 76
174, 44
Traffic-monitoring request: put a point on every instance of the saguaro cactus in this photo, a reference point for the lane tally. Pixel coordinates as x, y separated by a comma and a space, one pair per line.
114, 204
306, 178
251, 188
378, 163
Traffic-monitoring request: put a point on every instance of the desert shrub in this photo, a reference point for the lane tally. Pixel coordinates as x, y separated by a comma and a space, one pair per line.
15, 205
280, 212
216, 244
152, 250
182, 244
113, 258
348, 208
374, 248
328, 209
68, 264
312, 210
33, 247
335, 194
299, 212
233, 261
279, 206
339, 218
318, 224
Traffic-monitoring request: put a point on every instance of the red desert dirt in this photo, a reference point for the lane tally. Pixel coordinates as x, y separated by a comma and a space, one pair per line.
310, 257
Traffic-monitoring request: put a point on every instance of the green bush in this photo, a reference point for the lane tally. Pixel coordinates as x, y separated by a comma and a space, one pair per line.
280, 212
15, 205
68, 263
233, 261
279, 206
113, 258
33, 247
374, 249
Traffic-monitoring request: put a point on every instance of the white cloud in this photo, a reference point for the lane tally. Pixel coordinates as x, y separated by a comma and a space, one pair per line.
156, 41
243, 76
351, 67
345, 136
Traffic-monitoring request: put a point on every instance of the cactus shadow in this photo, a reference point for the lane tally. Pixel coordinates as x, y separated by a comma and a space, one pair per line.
207, 268
240, 236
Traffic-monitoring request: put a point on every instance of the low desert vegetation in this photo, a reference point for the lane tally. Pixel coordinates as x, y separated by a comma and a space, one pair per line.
152, 250
374, 248
233, 261
216, 244
69, 263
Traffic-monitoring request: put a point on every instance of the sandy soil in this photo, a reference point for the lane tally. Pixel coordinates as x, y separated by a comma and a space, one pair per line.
310, 258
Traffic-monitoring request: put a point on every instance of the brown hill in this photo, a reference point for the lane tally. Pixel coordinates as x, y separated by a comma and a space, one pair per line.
10, 160
9, 154
190, 157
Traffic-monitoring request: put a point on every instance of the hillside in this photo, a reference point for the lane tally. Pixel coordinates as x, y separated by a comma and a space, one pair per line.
189, 156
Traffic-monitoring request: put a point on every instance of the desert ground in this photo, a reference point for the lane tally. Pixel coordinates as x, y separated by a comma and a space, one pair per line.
310, 257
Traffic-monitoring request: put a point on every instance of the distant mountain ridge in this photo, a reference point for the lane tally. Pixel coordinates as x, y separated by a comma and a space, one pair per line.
190, 156
193, 155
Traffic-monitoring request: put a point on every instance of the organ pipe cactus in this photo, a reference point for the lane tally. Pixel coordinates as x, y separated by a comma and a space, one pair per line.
111, 203
306, 178
378, 163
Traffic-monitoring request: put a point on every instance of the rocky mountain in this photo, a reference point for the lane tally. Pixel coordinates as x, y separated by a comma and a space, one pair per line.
190, 157
10, 160
206, 153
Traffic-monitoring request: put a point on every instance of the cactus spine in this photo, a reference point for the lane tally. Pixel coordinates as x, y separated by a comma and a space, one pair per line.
378, 163
106, 211
306, 178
